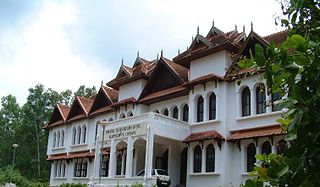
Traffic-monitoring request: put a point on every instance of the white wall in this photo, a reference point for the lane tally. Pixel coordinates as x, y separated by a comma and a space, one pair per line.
215, 63
132, 89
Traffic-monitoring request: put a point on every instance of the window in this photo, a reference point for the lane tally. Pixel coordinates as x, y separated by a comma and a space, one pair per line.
122, 116
54, 140
80, 168
197, 159
175, 112
166, 112
157, 111
130, 114
185, 116
275, 97
245, 102
251, 157
266, 148
110, 119
261, 99
63, 169
62, 138
200, 109
210, 158
281, 147
84, 135
119, 164
105, 166
55, 169
58, 139
79, 135
96, 131
212, 106
74, 133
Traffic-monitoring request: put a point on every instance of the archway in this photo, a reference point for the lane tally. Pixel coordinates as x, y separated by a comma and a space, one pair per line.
183, 166
121, 158
139, 152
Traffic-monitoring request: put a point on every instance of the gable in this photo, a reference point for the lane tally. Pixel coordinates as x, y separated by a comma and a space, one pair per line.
199, 42
163, 77
76, 109
56, 116
252, 40
100, 101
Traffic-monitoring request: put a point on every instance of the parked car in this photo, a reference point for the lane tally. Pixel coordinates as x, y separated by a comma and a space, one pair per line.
163, 179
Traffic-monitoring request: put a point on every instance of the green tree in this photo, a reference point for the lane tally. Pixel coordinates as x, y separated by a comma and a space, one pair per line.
293, 68
85, 92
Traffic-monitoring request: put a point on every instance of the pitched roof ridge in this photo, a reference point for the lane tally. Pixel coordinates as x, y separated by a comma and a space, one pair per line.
80, 100
173, 67
63, 107
272, 34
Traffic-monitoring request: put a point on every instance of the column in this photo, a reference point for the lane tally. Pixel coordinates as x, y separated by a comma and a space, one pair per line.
112, 161
238, 105
269, 103
253, 101
203, 160
129, 158
149, 153
192, 111
206, 108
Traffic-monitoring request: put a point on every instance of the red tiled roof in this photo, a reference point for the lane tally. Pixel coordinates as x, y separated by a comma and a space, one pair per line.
256, 132
101, 110
277, 38
71, 155
181, 71
64, 110
124, 102
111, 93
203, 79
206, 135
85, 104
163, 93
57, 157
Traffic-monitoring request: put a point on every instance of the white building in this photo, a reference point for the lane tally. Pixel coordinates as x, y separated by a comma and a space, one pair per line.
199, 117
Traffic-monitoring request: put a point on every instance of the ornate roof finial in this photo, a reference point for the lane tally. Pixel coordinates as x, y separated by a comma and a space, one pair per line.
198, 29
192, 39
251, 26
187, 48
101, 82
213, 23
235, 27
157, 56
122, 62
244, 28
178, 51
161, 55
138, 54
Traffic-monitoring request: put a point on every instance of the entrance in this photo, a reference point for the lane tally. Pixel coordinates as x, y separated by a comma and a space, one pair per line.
183, 166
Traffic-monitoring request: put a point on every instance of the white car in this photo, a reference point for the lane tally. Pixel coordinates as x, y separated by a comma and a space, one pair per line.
163, 179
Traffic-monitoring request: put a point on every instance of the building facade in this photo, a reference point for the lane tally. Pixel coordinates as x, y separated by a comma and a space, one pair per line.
199, 117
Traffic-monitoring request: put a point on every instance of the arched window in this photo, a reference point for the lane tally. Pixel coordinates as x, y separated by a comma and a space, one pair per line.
55, 168
197, 159
122, 116
261, 99
251, 157
130, 114
245, 102
54, 140
157, 111
74, 134
124, 163
63, 173
185, 115
105, 166
275, 97
119, 164
110, 119
212, 106
96, 131
266, 148
79, 135
58, 139
175, 112
281, 147
166, 112
62, 138
210, 158
84, 134
200, 109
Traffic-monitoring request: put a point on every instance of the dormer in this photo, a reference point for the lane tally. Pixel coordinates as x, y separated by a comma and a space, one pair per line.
132, 84
79, 109
104, 100
59, 116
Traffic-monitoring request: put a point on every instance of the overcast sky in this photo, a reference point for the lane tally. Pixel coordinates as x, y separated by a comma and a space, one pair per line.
64, 44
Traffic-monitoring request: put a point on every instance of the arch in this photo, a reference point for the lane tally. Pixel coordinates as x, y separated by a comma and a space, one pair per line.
246, 102
79, 135
84, 133
266, 148
282, 147
121, 158
96, 130
122, 115
130, 114
74, 134
210, 158
62, 138
251, 157
166, 112
260, 98
175, 112
212, 106
156, 111
197, 159
200, 109
110, 119
185, 113
54, 139
58, 139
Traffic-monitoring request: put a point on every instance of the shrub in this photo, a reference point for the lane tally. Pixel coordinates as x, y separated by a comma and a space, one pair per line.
72, 185
9, 174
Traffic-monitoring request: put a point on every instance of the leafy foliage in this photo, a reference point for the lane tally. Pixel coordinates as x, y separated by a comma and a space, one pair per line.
293, 69
72, 185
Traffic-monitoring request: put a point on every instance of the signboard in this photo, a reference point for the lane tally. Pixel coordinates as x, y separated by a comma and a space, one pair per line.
126, 131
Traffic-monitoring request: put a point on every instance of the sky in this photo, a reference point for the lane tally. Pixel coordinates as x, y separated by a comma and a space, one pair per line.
63, 44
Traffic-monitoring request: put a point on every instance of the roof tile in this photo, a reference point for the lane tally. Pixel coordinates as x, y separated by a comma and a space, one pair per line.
205, 135
256, 132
